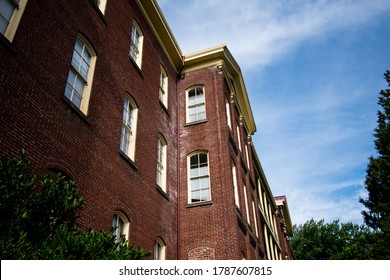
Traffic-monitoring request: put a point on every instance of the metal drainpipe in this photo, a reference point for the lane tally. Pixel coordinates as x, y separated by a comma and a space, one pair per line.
178, 157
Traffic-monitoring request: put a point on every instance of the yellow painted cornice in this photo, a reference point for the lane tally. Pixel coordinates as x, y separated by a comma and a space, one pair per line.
282, 202
153, 14
221, 56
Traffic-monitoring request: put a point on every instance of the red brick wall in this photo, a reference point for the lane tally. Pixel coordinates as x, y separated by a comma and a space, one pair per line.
34, 115
216, 223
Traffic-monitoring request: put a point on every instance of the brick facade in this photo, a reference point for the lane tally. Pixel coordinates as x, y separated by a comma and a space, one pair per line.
36, 116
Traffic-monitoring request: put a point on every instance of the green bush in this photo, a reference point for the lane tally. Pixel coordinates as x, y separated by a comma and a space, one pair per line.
39, 219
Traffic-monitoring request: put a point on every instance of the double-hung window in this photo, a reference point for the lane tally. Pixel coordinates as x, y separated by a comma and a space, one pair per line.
120, 224
196, 104
199, 178
161, 163
10, 14
136, 44
163, 92
78, 87
159, 249
129, 127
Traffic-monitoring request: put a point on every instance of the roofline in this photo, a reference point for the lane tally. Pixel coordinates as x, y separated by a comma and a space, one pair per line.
282, 201
157, 22
221, 56
259, 167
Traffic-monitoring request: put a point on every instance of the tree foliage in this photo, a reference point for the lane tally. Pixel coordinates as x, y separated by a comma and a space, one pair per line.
317, 240
377, 180
38, 219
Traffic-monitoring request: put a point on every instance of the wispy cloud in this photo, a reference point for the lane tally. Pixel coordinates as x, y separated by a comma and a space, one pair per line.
314, 103
260, 32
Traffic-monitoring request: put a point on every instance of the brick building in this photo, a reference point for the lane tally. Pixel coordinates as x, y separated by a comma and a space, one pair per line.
158, 143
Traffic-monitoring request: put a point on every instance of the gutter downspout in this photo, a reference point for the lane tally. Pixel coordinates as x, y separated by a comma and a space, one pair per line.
178, 78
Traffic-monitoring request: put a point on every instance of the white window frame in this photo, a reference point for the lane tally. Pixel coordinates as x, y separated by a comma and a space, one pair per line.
239, 137
255, 217
228, 116
260, 193
161, 177
136, 44
235, 185
122, 229
247, 156
129, 127
199, 103
80, 76
163, 89
197, 178
246, 206
101, 4
14, 18
159, 251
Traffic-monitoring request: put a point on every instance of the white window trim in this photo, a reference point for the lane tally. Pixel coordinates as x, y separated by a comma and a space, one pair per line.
101, 4
236, 195
86, 93
255, 217
247, 156
162, 165
163, 88
15, 20
229, 121
189, 176
260, 193
197, 104
133, 137
239, 137
126, 224
136, 56
246, 206
159, 242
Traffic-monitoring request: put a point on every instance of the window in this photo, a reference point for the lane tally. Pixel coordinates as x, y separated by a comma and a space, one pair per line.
246, 206
199, 186
260, 193
161, 163
129, 127
236, 197
100, 4
10, 14
78, 87
196, 107
255, 217
239, 137
228, 113
159, 249
136, 44
163, 87
247, 156
121, 225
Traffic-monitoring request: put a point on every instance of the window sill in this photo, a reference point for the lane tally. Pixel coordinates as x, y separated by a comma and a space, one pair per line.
127, 159
4, 41
195, 123
162, 192
200, 203
241, 225
97, 9
76, 110
136, 66
164, 107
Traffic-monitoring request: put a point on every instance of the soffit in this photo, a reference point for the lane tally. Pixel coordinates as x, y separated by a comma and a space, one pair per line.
162, 31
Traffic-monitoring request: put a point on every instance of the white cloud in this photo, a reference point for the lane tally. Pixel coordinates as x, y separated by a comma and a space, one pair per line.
260, 32
313, 136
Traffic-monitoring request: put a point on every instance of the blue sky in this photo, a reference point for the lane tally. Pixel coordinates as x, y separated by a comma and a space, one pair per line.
313, 71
